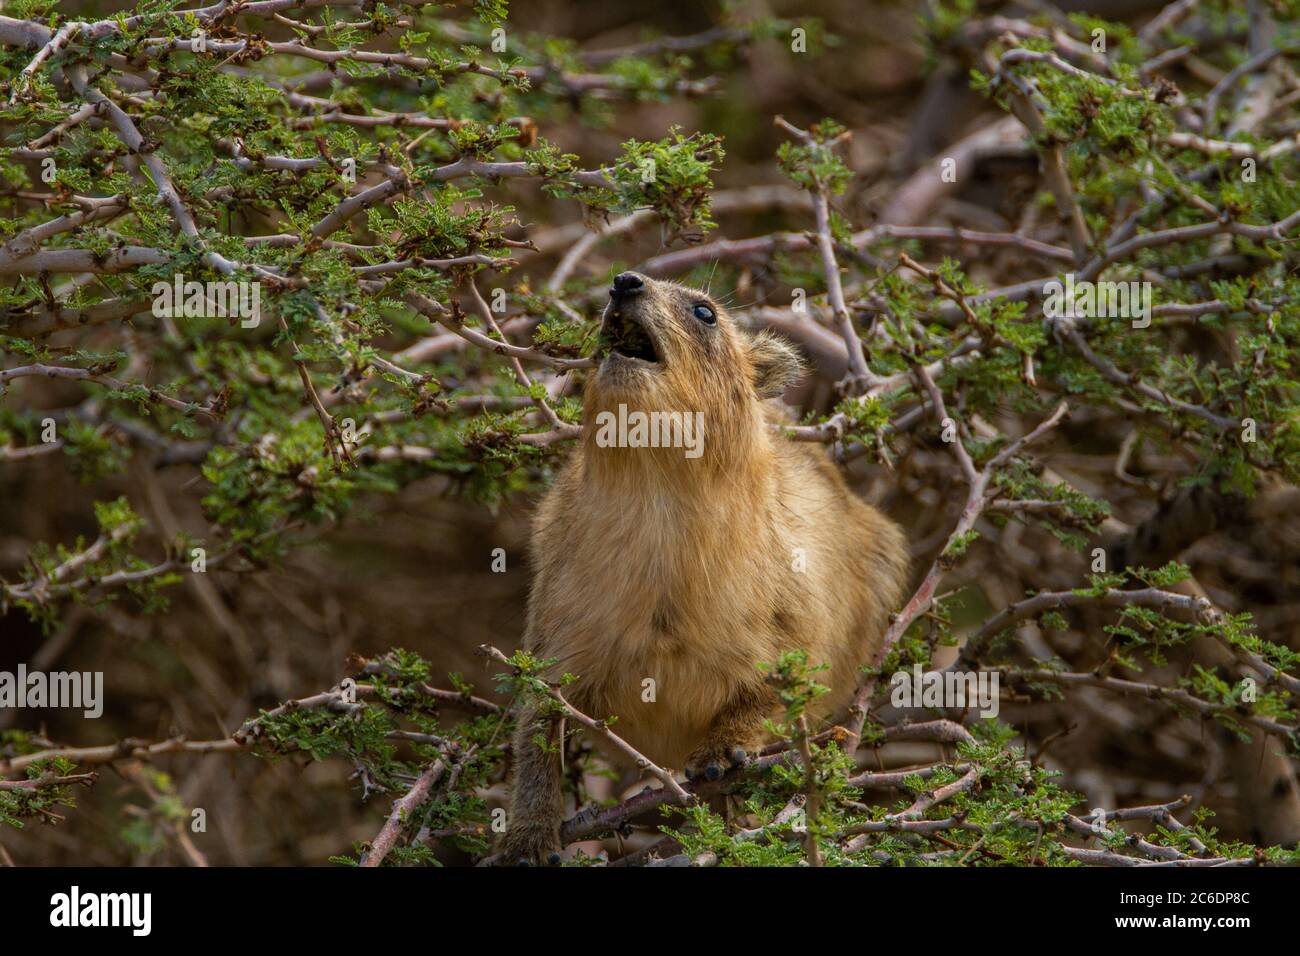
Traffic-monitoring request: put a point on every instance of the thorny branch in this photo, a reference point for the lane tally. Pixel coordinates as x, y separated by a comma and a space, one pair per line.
927, 335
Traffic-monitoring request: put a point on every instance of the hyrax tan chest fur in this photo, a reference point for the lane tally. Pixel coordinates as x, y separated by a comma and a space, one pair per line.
685, 543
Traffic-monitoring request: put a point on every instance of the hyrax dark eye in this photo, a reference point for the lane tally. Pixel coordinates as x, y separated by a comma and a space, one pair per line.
704, 314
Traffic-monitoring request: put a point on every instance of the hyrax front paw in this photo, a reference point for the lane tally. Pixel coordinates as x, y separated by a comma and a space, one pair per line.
530, 846
711, 760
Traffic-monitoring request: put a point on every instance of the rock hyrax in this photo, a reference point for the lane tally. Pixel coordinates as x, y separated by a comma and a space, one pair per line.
660, 557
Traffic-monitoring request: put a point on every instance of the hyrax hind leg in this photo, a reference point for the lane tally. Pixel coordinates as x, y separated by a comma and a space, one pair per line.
536, 800
736, 732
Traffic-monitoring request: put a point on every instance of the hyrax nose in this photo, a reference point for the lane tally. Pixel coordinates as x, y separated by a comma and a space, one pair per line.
626, 285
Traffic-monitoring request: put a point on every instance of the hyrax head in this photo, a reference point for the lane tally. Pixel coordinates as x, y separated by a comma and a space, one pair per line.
669, 347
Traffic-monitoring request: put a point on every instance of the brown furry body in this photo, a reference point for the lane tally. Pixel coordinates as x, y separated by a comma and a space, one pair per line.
692, 572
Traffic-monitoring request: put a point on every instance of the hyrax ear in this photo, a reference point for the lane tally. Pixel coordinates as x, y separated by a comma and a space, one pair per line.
776, 363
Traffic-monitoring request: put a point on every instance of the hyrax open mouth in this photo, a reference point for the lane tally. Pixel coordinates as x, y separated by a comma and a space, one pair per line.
627, 337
